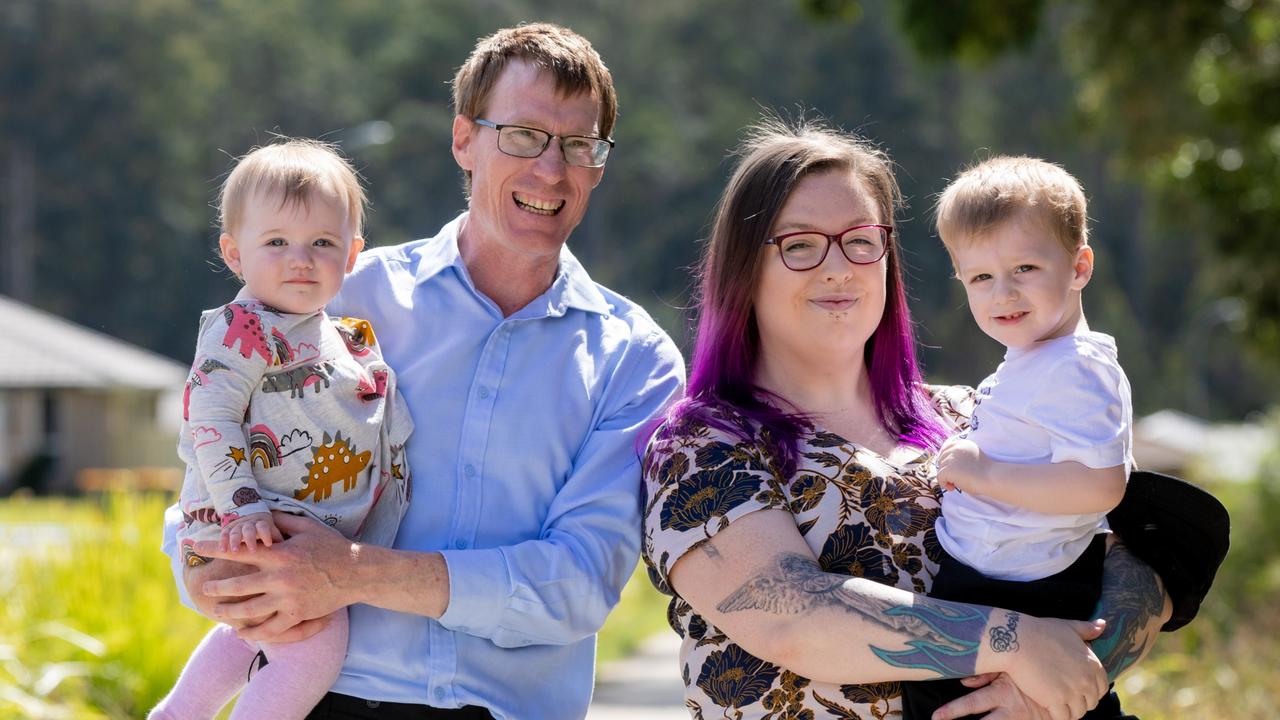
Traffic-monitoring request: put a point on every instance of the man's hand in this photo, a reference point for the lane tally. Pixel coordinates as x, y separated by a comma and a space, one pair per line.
195, 576
962, 465
997, 696
248, 531
298, 582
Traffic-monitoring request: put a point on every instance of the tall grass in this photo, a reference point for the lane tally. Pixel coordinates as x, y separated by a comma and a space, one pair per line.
90, 624
1224, 665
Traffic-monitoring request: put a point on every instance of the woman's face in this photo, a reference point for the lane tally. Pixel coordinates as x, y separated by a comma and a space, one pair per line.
831, 310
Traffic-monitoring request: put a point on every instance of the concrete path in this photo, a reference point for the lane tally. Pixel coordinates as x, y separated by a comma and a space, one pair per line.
645, 686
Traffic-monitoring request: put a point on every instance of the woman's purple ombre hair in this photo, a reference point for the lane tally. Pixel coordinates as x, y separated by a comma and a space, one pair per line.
775, 157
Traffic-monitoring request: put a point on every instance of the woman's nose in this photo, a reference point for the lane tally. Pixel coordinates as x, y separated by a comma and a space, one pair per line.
835, 264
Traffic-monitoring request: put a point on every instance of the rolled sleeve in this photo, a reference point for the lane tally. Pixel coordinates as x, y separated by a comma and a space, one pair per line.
1085, 413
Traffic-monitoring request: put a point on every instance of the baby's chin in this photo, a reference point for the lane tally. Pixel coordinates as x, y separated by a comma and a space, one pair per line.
291, 305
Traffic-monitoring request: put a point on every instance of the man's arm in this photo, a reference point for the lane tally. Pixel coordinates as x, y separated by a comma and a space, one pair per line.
556, 588
559, 587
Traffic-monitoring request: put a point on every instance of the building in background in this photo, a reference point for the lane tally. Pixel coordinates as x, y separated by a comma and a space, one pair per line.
1179, 444
83, 410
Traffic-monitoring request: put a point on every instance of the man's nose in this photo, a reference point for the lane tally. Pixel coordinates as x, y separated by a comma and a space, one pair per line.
550, 165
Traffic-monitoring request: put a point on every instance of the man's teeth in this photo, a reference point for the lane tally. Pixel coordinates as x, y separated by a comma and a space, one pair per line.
542, 207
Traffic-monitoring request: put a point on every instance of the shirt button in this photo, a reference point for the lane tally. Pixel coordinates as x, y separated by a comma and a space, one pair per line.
439, 693
470, 470
484, 393
372, 703
460, 544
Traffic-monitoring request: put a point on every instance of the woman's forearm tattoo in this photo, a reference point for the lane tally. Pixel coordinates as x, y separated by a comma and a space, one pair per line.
1004, 638
941, 637
1131, 598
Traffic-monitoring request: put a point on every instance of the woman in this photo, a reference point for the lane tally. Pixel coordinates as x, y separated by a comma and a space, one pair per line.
790, 498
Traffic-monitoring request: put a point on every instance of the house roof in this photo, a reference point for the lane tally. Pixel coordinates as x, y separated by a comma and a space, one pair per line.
1172, 441
46, 351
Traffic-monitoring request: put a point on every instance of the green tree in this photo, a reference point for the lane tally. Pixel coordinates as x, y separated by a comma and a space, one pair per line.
1187, 93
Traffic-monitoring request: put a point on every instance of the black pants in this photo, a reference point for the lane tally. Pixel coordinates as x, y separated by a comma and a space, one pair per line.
344, 707
1072, 594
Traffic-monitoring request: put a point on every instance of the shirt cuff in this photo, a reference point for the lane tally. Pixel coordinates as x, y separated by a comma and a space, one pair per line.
242, 510
479, 586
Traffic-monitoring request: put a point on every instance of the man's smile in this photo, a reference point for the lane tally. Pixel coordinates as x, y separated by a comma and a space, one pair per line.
536, 206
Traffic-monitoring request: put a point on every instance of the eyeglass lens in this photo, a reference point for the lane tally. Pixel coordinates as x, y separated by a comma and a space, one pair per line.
529, 143
803, 251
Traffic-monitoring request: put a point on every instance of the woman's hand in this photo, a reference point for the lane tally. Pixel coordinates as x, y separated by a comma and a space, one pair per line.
1050, 661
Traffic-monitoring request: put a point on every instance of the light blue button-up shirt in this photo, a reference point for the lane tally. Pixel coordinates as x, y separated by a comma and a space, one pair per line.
525, 477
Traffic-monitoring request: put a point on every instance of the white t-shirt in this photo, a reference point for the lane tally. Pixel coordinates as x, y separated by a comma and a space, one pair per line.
1059, 400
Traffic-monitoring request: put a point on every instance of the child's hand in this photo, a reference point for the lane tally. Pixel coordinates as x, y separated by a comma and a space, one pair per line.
962, 466
249, 530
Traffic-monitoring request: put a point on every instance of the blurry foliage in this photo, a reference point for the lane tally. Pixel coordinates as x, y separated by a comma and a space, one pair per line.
90, 624
132, 112
1185, 95
1223, 664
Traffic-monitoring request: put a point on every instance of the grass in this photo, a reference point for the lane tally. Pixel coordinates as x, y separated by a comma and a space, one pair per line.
90, 623
91, 627
641, 613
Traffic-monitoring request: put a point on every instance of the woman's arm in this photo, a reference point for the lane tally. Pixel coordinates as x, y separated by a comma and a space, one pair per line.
759, 583
1135, 606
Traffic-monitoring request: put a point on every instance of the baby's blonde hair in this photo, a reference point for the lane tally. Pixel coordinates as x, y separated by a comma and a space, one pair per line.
1004, 188
295, 170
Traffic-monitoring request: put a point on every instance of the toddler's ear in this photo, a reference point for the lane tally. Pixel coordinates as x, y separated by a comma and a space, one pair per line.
230, 253
1083, 267
357, 244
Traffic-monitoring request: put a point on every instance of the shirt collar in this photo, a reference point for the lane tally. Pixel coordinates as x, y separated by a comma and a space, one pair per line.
572, 288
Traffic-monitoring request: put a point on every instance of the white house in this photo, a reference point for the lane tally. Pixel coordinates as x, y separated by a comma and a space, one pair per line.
76, 403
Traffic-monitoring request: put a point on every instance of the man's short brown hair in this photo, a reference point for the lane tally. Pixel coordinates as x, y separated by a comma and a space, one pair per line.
1006, 188
569, 57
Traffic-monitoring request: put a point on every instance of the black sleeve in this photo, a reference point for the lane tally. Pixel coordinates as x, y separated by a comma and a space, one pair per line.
1178, 529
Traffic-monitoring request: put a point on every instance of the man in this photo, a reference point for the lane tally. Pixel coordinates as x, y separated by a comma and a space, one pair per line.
528, 384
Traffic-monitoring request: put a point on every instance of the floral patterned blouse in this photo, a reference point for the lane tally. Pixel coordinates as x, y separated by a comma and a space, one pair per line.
861, 514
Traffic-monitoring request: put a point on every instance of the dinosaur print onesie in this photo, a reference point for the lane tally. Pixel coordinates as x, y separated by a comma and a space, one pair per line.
291, 412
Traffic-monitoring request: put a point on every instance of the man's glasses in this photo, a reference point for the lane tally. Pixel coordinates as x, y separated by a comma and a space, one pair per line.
527, 142
806, 250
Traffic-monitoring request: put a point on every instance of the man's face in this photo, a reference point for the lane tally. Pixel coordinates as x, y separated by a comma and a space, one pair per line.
526, 206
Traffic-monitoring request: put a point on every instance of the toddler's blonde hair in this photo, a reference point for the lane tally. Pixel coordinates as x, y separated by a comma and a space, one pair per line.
1004, 188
